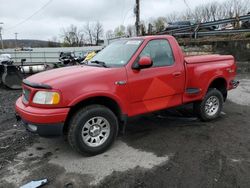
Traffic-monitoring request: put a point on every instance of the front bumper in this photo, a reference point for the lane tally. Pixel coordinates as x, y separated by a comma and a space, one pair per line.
44, 130
45, 122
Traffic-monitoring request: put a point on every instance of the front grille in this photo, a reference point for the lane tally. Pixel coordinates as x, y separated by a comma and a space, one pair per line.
26, 95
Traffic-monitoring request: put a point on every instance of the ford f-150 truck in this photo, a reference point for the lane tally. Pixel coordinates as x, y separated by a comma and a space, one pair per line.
91, 103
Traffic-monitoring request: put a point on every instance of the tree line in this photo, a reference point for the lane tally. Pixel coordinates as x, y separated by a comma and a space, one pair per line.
91, 33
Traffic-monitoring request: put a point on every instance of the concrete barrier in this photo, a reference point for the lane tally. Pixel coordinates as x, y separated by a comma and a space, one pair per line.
45, 55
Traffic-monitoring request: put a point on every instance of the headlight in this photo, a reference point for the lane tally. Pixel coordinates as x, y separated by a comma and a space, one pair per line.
46, 97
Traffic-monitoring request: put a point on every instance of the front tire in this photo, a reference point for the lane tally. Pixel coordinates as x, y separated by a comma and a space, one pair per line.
92, 130
210, 107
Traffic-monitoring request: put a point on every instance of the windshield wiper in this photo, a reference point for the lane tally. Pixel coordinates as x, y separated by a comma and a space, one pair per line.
103, 64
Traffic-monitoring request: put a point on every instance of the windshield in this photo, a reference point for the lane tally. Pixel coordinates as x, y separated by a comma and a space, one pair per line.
118, 53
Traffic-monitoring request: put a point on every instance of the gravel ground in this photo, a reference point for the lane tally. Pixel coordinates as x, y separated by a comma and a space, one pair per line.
166, 149
13, 137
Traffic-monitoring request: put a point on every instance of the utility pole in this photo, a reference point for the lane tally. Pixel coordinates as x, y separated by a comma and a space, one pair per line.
16, 40
15, 45
1, 37
137, 14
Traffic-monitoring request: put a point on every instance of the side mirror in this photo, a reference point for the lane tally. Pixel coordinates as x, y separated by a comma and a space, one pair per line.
144, 62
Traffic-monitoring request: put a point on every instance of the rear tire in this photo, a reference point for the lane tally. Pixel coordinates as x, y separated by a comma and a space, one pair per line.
210, 107
92, 130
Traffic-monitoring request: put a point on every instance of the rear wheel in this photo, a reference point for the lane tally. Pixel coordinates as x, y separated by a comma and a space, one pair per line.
210, 107
93, 129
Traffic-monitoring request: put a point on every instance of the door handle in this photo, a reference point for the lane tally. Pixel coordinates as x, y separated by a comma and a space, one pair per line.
176, 74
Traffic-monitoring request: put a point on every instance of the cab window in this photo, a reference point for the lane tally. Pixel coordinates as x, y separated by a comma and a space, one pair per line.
160, 52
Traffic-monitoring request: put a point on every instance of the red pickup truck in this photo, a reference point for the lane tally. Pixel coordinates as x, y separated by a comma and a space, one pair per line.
91, 103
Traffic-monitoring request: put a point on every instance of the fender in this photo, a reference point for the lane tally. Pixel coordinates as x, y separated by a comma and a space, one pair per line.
210, 82
87, 96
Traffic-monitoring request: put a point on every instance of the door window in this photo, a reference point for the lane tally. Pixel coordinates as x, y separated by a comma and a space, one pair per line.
160, 52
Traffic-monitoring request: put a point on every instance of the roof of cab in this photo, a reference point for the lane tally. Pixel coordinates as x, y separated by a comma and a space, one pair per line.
152, 37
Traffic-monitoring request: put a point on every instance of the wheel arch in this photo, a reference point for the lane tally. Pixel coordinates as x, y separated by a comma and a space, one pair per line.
220, 83
104, 100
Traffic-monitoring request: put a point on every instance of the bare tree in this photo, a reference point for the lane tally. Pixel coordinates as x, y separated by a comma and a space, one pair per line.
172, 17
159, 24
236, 8
109, 34
143, 29
131, 30
88, 29
213, 9
227, 9
150, 29
206, 12
72, 36
97, 32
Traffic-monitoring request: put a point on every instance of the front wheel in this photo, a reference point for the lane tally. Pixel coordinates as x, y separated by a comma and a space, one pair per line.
93, 129
210, 107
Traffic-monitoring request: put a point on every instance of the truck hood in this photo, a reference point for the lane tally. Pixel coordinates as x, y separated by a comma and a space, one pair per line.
61, 77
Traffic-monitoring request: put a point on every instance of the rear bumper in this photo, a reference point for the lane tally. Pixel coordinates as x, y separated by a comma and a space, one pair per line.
45, 122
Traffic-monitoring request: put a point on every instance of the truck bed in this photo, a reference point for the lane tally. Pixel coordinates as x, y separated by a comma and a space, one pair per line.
202, 70
207, 58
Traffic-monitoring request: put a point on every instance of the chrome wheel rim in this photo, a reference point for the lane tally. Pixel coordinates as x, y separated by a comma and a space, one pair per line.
95, 131
212, 106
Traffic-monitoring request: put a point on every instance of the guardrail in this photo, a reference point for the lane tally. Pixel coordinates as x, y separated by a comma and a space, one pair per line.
211, 33
194, 29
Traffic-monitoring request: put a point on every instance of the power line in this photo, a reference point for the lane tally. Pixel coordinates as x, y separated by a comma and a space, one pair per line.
25, 20
126, 15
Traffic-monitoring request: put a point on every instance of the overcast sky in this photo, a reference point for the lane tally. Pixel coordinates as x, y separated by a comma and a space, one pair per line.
57, 14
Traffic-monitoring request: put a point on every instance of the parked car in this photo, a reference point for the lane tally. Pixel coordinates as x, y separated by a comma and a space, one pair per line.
29, 49
24, 49
91, 103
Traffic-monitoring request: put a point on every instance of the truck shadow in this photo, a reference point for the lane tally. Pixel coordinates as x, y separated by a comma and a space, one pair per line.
173, 118
165, 131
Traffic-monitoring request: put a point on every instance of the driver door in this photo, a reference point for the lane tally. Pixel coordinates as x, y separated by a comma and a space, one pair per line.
159, 86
